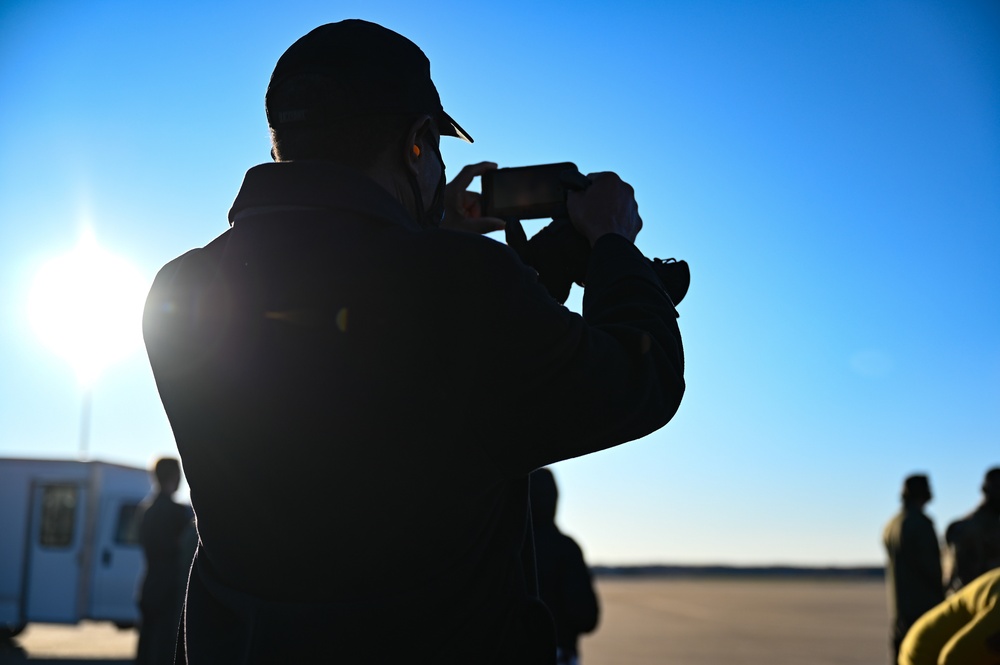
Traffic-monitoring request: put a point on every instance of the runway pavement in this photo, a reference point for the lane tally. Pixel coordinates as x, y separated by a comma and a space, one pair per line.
644, 622
749, 621
88, 643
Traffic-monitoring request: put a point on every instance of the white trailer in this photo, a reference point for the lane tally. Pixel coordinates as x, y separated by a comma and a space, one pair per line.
68, 542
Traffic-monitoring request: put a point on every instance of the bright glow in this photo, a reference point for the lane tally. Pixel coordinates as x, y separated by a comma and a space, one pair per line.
86, 305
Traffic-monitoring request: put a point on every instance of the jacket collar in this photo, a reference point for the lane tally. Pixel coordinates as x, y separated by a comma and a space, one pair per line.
314, 184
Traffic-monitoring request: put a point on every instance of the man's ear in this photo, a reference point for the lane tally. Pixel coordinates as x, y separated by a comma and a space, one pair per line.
417, 143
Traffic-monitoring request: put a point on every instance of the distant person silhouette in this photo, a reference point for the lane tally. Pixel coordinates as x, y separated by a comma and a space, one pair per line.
962, 630
164, 533
564, 581
974, 540
913, 575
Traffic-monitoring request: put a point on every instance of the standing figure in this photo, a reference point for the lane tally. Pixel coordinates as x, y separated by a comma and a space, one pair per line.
564, 581
359, 383
913, 573
974, 540
163, 527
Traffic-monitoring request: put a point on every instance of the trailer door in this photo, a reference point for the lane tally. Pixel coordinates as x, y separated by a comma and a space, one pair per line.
119, 561
55, 552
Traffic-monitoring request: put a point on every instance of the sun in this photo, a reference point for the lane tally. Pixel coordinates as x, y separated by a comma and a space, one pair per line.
86, 306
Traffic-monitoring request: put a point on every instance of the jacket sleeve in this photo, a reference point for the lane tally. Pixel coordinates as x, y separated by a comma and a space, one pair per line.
568, 385
921, 538
582, 605
972, 644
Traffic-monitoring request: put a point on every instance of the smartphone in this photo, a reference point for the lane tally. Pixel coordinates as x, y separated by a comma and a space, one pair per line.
526, 192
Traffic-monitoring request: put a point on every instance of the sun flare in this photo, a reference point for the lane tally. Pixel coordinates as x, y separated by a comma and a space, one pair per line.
86, 306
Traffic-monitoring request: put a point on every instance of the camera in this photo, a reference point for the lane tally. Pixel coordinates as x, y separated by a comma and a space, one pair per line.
557, 252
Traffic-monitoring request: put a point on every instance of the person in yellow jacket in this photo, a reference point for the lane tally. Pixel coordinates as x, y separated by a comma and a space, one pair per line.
962, 630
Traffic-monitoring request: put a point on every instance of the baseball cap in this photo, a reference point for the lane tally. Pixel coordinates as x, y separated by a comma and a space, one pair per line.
366, 69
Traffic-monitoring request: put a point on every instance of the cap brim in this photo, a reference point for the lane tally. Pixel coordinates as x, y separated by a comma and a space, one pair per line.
448, 127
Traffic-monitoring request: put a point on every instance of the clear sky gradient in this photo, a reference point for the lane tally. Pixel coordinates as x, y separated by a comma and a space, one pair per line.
830, 170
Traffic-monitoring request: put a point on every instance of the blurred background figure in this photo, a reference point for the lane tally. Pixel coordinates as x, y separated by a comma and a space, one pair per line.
913, 574
974, 540
963, 630
165, 533
564, 581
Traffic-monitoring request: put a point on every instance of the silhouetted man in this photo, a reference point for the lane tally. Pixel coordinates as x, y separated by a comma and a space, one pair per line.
359, 386
564, 581
975, 539
163, 527
962, 630
913, 574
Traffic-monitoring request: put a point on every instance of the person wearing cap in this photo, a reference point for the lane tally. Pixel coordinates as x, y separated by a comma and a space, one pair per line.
913, 574
359, 382
974, 540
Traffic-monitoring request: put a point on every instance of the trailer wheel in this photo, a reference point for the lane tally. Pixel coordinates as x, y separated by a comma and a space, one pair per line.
10, 632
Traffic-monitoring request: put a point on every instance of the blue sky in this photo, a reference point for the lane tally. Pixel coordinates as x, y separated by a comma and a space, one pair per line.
831, 171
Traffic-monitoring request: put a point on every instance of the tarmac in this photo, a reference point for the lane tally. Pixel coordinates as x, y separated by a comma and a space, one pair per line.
644, 621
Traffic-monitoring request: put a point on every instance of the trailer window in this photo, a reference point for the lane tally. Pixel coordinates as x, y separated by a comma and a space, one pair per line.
127, 529
58, 515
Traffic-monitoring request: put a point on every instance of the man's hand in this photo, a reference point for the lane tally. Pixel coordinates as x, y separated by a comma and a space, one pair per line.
607, 206
462, 210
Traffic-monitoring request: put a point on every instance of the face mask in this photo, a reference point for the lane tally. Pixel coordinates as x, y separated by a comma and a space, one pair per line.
431, 216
